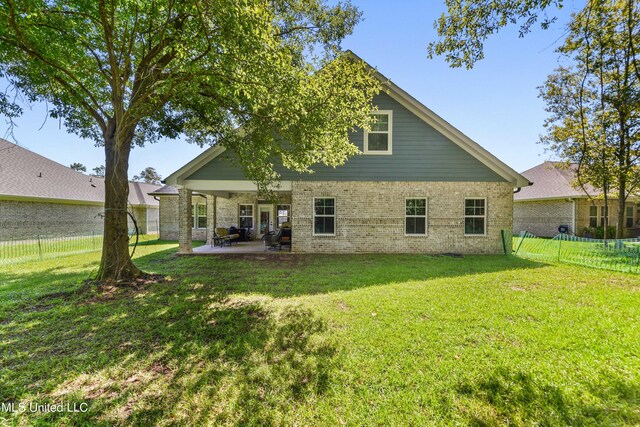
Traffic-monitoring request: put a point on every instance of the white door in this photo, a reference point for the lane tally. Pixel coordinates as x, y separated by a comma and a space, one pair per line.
265, 218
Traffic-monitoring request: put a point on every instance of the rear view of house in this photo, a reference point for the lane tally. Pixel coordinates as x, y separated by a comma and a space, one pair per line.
419, 186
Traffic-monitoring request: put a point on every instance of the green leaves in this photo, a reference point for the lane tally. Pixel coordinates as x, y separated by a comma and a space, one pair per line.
470, 22
594, 103
157, 69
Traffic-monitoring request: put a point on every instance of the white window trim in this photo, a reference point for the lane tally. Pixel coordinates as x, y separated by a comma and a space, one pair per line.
626, 216
389, 132
597, 216
195, 216
426, 215
288, 210
252, 216
313, 222
464, 216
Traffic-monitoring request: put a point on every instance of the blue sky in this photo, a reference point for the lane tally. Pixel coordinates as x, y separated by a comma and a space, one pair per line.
495, 103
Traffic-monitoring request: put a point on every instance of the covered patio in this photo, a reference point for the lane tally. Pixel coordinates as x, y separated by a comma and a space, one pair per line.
252, 247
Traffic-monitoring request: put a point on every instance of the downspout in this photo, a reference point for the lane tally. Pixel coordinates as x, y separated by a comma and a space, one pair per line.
573, 217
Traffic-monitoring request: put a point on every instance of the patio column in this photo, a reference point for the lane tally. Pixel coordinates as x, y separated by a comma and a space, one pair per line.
185, 221
211, 217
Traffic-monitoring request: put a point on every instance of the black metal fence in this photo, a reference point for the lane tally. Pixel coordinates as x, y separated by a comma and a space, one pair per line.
41, 246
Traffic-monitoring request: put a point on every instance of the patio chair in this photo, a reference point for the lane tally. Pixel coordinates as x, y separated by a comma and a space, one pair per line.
284, 237
269, 240
222, 236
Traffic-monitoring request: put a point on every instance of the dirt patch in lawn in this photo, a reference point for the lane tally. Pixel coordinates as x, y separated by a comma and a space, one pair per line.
98, 292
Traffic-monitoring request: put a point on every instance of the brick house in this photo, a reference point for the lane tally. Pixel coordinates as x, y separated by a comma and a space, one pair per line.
419, 185
553, 201
41, 197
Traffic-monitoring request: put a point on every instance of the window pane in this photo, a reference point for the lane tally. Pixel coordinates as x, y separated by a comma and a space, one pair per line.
593, 222
474, 207
593, 211
416, 207
324, 206
246, 210
202, 222
202, 209
381, 124
415, 226
378, 142
323, 225
246, 222
283, 210
474, 226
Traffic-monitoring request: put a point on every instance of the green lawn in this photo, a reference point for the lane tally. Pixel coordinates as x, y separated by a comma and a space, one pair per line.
322, 340
623, 255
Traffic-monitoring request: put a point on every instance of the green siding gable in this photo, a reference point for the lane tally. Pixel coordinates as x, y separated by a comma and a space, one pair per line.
420, 153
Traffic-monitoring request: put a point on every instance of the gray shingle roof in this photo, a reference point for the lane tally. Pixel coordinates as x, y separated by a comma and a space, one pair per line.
24, 173
552, 180
165, 190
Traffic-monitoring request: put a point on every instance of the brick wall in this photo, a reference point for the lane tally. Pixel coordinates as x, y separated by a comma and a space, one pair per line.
583, 206
169, 228
542, 218
21, 220
370, 216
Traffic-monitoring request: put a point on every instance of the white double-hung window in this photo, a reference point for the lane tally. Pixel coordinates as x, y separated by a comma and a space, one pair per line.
379, 140
415, 220
475, 216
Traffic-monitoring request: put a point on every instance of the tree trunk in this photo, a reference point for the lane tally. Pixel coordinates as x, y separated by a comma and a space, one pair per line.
606, 216
116, 264
621, 208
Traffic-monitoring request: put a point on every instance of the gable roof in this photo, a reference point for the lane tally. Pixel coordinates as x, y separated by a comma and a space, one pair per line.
415, 107
28, 175
552, 180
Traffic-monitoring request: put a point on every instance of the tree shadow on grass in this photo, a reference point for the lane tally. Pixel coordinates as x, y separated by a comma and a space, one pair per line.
513, 397
164, 351
287, 274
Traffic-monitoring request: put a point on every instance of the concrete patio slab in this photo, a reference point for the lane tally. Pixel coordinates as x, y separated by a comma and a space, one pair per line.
256, 246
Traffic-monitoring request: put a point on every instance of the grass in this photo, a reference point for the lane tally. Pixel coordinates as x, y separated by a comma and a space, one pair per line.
610, 255
42, 247
322, 340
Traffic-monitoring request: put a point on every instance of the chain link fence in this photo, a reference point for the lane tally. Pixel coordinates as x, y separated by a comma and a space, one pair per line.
615, 254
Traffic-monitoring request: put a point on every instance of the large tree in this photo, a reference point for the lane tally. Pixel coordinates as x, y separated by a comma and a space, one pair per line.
595, 101
128, 72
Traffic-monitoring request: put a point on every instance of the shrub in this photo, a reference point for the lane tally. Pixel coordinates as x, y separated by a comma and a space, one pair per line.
598, 232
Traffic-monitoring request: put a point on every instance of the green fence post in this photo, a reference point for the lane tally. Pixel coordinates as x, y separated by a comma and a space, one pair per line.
559, 246
504, 243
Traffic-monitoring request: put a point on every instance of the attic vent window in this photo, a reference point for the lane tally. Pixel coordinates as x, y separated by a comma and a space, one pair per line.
379, 139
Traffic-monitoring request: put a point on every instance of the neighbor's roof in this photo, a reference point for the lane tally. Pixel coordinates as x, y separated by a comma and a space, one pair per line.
28, 175
140, 193
552, 180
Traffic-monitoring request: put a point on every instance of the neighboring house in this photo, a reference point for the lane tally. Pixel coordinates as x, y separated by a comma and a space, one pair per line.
419, 186
553, 200
41, 197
